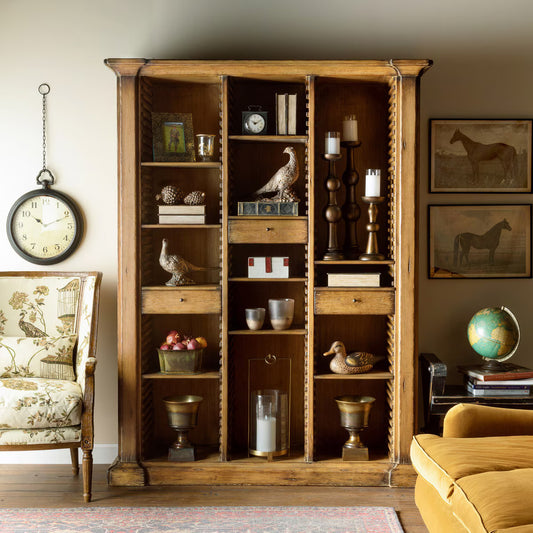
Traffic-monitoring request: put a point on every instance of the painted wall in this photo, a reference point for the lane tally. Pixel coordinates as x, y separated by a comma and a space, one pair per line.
483, 68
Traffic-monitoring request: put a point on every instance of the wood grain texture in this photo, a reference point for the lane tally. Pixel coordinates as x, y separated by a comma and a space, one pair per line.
384, 95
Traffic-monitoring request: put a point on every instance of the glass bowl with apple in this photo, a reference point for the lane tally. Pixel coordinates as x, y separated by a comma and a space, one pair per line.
181, 354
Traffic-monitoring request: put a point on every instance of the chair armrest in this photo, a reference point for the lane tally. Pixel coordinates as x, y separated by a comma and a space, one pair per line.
87, 422
472, 420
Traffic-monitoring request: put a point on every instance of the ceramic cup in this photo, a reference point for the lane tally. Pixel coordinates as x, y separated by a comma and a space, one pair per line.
281, 312
255, 317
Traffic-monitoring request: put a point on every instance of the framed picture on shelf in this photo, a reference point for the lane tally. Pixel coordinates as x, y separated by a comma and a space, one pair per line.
480, 155
479, 241
173, 138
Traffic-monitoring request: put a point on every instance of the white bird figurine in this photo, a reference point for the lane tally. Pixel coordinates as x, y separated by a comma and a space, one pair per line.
282, 179
178, 267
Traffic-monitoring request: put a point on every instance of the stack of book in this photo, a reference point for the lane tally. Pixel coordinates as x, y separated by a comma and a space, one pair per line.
182, 214
368, 279
508, 380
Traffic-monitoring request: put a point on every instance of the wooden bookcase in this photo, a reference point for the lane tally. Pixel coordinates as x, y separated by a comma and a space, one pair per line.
384, 95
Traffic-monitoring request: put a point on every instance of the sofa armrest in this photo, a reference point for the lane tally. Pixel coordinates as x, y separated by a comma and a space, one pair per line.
472, 420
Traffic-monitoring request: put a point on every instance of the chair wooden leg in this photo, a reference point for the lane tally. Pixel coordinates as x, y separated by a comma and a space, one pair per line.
74, 460
87, 467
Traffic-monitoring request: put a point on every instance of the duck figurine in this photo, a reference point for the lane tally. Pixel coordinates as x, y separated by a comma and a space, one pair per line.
353, 363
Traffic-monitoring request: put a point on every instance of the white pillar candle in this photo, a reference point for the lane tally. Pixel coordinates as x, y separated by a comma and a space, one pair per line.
333, 142
349, 128
266, 434
373, 182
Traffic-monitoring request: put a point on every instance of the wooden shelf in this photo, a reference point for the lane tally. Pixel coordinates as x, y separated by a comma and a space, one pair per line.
268, 332
354, 262
265, 217
181, 226
201, 375
268, 280
269, 138
181, 164
373, 374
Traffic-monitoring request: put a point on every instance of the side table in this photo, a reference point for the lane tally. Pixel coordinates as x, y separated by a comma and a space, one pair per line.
439, 397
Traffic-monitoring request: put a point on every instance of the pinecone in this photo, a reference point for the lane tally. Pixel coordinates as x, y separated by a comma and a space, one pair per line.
195, 198
170, 195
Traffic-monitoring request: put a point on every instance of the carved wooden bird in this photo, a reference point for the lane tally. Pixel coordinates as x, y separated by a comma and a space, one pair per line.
354, 363
29, 329
282, 179
177, 266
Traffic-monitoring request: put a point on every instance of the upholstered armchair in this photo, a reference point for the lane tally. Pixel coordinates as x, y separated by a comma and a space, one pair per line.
48, 323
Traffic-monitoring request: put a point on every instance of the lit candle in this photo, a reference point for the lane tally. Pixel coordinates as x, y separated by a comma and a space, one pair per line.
333, 142
349, 128
266, 434
373, 182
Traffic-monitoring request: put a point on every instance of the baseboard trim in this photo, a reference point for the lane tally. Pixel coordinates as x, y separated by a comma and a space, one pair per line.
102, 454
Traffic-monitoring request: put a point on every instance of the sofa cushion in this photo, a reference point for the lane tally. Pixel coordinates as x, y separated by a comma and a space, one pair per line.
495, 501
17, 437
29, 357
442, 461
39, 403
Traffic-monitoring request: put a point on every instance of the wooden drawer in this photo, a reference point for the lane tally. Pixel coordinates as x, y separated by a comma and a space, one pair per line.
354, 301
268, 230
182, 300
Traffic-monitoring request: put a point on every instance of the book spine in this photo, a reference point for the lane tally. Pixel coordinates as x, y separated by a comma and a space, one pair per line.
281, 114
505, 376
182, 219
482, 392
291, 114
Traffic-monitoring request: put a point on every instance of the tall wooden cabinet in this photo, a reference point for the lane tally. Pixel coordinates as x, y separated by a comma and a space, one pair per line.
384, 96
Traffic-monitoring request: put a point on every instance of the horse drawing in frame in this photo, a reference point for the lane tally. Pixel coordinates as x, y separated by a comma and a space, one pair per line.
489, 240
478, 152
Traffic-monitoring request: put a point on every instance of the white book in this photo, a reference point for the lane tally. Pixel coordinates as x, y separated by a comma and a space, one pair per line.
281, 114
182, 209
371, 279
181, 219
291, 114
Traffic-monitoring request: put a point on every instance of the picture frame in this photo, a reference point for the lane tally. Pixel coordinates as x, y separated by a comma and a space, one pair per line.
480, 155
173, 137
479, 241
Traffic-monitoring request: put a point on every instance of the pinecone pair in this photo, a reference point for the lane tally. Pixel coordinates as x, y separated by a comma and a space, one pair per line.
172, 195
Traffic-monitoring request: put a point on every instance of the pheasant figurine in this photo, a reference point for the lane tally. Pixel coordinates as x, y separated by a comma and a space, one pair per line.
282, 180
354, 363
177, 266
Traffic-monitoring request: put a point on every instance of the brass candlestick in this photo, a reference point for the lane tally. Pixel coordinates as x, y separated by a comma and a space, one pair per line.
372, 250
350, 210
332, 212
354, 411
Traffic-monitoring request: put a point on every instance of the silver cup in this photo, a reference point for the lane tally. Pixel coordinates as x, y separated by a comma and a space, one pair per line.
281, 312
255, 317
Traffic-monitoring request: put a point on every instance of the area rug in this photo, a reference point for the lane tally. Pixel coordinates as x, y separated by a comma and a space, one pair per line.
201, 519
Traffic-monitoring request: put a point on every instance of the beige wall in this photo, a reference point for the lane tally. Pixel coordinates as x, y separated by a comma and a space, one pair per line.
483, 68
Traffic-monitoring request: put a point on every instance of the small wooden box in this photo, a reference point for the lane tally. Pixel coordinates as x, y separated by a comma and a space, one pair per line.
268, 208
268, 267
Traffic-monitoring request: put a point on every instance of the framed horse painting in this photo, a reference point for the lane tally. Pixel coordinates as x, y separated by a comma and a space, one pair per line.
479, 241
173, 138
480, 155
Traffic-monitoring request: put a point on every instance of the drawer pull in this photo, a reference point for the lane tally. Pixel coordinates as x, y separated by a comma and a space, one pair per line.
354, 300
268, 229
181, 300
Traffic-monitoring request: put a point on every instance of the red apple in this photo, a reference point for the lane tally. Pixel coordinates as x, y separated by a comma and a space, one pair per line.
180, 346
164, 347
176, 346
193, 345
173, 337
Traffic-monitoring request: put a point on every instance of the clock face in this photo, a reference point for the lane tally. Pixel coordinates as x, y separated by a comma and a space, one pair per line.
44, 227
254, 123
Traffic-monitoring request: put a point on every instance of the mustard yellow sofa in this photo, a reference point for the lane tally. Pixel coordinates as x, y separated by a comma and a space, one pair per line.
477, 477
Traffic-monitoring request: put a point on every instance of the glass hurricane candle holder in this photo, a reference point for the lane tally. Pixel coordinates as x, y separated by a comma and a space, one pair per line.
205, 146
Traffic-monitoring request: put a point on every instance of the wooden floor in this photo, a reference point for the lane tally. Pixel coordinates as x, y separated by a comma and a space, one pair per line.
54, 486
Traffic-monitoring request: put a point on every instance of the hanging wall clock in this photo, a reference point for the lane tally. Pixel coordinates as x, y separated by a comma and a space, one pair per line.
44, 226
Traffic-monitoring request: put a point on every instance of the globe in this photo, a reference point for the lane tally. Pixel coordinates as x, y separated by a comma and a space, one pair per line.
493, 332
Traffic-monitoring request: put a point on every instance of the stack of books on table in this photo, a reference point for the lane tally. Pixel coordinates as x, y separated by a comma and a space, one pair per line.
182, 214
508, 380
369, 279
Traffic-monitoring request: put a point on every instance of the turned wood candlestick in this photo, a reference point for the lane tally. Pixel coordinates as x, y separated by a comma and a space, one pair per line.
372, 250
350, 210
332, 212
